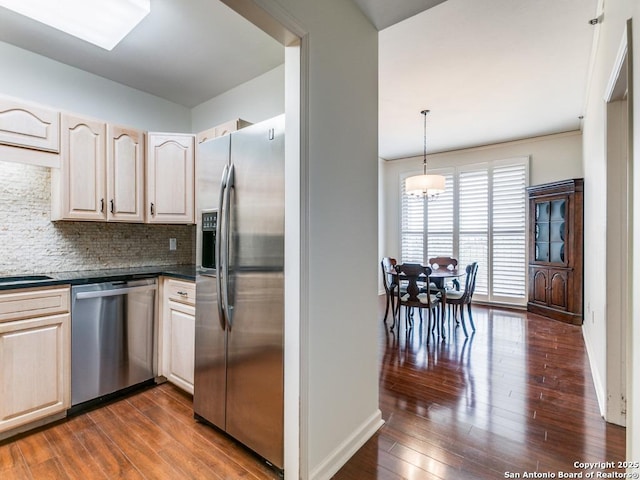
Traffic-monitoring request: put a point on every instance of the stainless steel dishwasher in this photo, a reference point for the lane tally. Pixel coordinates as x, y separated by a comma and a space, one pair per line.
112, 338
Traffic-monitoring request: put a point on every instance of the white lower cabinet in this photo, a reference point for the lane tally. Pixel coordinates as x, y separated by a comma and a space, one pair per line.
178, 333
35, 334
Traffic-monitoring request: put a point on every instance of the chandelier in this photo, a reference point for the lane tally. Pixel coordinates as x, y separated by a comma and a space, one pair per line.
426, 186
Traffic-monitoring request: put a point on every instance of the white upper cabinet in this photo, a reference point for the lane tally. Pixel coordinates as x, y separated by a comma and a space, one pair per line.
29, 126
222, 129
170, 178
78, 187
101, 176
125, 174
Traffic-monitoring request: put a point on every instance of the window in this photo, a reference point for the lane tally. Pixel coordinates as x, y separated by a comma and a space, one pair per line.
480, 217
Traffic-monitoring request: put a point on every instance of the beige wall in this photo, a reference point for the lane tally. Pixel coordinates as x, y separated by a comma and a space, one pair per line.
29, 76
256, 100
552, 157
610, 34
338, 230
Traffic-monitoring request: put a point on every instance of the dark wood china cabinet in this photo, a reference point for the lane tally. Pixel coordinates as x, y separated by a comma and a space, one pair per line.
555, 250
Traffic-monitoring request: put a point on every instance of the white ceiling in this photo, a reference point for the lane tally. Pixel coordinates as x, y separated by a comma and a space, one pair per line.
489, 71
383, 13
185, 51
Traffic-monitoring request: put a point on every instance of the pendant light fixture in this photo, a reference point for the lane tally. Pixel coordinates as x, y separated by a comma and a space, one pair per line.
426, 186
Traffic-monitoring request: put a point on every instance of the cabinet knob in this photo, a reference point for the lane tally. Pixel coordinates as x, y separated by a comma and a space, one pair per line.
152, 209
101, 205
112, 207
183, 294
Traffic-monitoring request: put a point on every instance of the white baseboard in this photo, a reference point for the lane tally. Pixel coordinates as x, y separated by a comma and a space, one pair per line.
343, 452
601, 393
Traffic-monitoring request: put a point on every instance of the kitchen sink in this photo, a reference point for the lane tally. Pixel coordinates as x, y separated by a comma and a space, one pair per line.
24, 278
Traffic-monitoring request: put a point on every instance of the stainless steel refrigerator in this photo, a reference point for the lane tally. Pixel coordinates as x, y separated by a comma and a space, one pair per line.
239, 365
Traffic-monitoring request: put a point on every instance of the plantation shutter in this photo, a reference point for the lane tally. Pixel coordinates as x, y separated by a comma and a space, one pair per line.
481, 217
474, 223
440, 223
412, 246
509, 231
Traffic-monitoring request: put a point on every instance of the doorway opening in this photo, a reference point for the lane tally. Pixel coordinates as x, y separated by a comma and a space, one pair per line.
619, 234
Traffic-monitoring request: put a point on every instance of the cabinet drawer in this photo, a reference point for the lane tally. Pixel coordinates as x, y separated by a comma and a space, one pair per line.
33, 302
179, 291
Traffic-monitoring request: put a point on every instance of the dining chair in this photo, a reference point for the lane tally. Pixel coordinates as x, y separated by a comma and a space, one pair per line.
442, 262
389, 283
458, 299
437, 263
414, 297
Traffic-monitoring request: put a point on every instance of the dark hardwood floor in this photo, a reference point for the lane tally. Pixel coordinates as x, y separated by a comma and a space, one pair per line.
516, 396
149, 435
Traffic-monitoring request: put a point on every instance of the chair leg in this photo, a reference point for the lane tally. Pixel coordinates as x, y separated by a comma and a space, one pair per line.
464, 327
386, 310
473, 327
435, 323
442, 321
395, 312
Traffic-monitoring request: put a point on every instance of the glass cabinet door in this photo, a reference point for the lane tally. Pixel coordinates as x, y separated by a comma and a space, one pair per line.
550, 231
557, 231
543, 214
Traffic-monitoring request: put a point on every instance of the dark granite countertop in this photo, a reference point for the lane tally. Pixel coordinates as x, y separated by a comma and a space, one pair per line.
80, 277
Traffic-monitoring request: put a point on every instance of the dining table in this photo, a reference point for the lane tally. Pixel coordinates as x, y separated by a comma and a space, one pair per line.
440, 275
437, 277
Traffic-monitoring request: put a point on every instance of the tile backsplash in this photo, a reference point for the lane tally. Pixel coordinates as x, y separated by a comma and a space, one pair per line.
31, 243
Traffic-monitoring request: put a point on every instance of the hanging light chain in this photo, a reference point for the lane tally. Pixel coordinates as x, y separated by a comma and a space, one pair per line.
424, 162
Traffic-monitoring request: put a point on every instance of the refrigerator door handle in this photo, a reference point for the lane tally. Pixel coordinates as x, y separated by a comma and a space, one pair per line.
229, 185
219, 248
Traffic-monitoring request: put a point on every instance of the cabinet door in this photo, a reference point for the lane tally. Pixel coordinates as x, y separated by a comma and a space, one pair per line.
79, 186
180, 349
170, 177
558, 289
538, 285
34, 369
29, 126
125, 174
549, 230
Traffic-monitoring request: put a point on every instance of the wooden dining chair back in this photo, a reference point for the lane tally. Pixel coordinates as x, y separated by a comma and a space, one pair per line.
437, 263
388, 282
441, 263
458, 299
414, 296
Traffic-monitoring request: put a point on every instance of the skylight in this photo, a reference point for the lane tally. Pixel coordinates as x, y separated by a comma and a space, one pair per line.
101, 22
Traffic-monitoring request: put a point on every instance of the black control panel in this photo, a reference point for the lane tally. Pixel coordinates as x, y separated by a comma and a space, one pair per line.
208, 232
209, 221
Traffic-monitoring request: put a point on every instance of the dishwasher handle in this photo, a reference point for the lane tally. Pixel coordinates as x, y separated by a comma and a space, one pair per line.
114, 292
